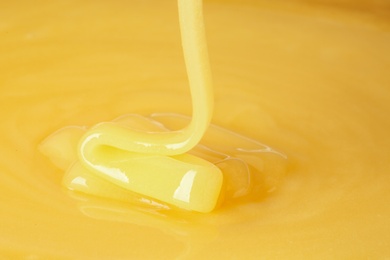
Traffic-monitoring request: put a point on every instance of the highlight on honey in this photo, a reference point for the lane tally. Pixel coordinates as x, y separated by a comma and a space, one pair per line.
168, 161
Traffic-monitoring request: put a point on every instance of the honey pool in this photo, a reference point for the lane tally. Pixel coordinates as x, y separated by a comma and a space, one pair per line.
309, 78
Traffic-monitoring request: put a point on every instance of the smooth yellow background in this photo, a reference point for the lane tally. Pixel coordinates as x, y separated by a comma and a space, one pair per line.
310, 79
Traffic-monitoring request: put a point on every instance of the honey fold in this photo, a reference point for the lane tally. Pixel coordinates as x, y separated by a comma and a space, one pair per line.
243, 167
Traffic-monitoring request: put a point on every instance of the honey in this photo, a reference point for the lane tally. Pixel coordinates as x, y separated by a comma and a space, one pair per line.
309, 80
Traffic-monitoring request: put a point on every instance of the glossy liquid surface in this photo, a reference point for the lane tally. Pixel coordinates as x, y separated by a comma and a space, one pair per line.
168, 161
309, 80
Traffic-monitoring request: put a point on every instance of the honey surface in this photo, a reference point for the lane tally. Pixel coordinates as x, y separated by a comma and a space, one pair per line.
310, 80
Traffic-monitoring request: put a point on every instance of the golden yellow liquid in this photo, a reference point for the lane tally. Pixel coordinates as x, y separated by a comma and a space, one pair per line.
143, 160
310, 80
